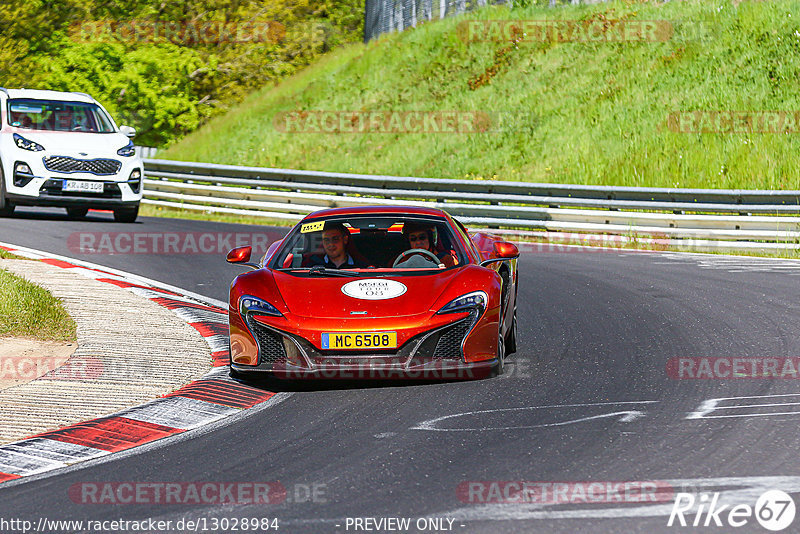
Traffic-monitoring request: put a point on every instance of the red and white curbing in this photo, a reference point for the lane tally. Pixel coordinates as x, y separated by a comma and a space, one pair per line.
207, 400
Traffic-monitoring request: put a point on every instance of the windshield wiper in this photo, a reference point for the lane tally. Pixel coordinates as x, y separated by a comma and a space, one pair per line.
320, 269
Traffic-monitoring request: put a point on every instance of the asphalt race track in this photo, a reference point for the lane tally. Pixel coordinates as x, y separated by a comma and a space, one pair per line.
586, 398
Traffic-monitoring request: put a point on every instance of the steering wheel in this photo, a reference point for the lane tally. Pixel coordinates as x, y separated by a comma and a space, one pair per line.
411, 252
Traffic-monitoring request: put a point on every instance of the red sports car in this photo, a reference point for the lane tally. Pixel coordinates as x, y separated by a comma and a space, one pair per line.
375, 292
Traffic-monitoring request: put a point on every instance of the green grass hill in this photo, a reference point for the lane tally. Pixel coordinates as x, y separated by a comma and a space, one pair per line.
591, 112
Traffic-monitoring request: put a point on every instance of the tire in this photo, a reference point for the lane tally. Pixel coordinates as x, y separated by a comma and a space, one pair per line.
126, 215
511, 336
6, 206
500, 366
77, 213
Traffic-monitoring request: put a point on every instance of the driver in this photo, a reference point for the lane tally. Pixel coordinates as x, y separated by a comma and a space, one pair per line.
335, 238
421, 236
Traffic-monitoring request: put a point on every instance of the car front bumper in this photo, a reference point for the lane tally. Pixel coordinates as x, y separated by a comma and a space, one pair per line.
437, 354
45, 187
65, 201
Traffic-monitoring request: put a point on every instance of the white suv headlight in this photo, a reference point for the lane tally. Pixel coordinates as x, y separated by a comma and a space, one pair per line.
27, 144
127, 151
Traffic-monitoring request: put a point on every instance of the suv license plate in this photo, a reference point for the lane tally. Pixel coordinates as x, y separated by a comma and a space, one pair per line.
82, 186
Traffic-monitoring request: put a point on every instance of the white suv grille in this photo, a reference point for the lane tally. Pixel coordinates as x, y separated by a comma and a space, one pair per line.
66, 164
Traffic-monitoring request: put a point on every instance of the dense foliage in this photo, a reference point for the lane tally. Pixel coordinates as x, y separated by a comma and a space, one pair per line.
164, 84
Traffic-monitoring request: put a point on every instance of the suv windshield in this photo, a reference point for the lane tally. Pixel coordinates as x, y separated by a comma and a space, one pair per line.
58, 116
390, 243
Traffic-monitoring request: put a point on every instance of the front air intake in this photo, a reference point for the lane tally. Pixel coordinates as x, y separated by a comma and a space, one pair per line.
270, 346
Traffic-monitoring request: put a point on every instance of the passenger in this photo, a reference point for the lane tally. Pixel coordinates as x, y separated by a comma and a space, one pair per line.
335, 239
421, 236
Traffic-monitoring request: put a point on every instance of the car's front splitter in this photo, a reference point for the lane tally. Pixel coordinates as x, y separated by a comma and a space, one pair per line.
376, 370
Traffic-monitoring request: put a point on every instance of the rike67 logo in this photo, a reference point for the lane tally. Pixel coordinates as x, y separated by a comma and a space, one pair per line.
774, 510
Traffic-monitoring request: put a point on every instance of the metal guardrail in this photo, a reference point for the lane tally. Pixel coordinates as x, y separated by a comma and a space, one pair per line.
707, 214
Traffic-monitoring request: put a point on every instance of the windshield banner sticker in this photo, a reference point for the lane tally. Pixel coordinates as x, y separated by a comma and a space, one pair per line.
374, 289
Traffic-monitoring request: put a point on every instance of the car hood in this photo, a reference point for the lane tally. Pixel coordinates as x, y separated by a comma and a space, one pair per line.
74, 143
325, 297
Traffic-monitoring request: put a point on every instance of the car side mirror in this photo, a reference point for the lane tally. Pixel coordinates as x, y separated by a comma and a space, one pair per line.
503, 250
241, 256
128, 131
506, 250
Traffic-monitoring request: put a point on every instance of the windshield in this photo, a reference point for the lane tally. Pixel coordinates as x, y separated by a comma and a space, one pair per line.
58, 116
393, 243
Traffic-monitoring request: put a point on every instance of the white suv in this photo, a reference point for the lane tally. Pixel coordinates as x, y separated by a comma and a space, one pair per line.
63, 149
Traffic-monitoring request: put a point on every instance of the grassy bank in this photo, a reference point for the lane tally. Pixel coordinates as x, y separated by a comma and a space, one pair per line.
4, 254
586, 113
27, 310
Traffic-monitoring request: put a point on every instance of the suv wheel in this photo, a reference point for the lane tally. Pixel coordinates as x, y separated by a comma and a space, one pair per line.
126, 215
6, 206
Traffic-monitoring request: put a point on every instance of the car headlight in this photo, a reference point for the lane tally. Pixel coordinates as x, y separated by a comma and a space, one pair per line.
256, 306
27, 144
128, 150
470, 301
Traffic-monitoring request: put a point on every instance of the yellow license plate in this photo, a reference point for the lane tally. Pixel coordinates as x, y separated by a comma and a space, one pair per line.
359, 340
